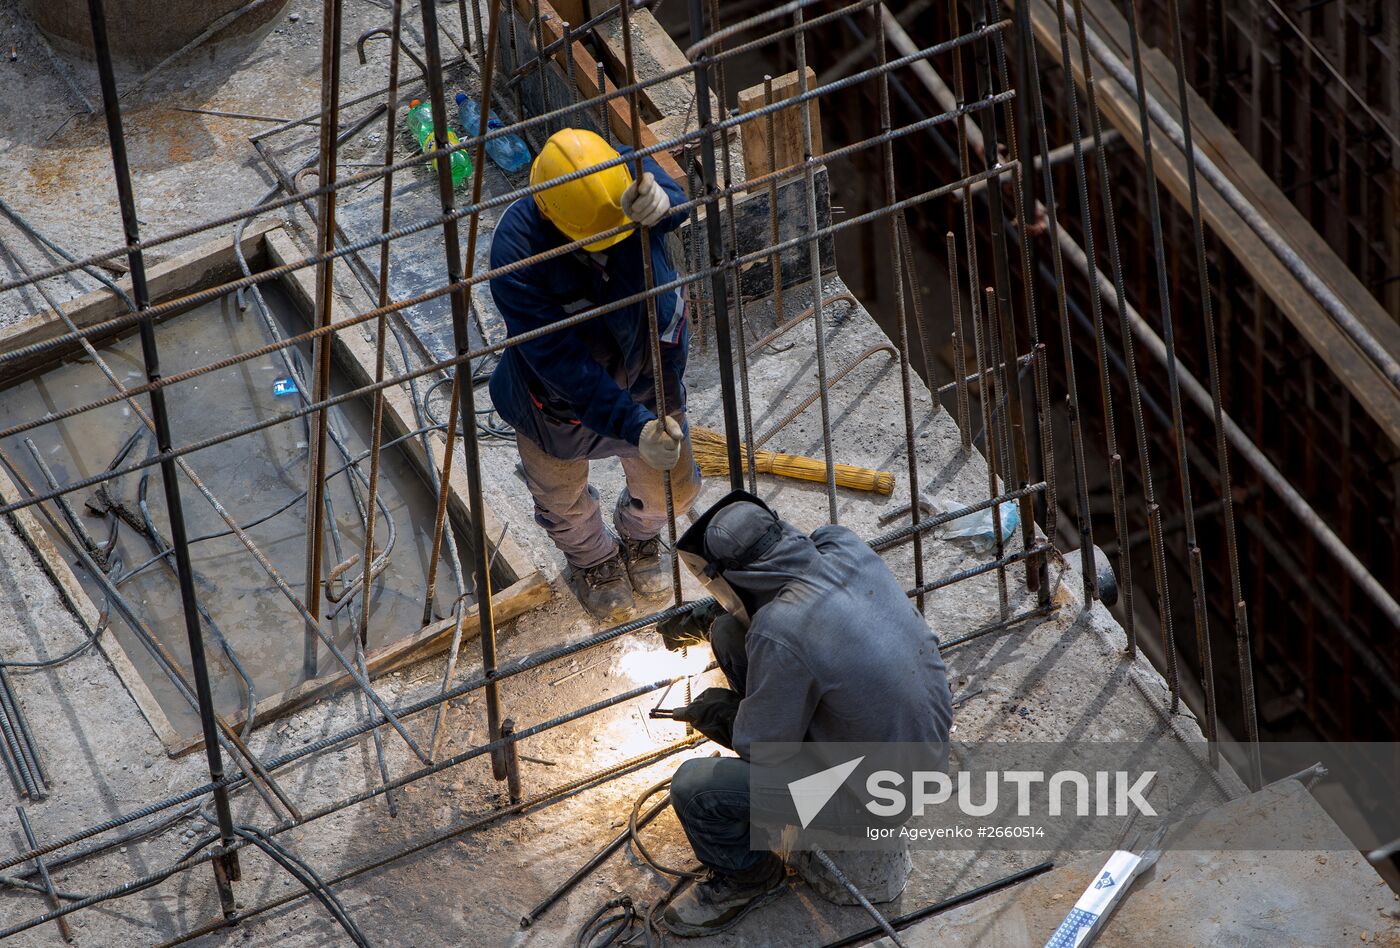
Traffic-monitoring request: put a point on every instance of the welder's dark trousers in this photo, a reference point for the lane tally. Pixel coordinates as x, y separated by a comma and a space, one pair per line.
711, 794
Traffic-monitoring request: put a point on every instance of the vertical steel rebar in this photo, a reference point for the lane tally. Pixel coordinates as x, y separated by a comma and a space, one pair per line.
1002, 333
1041, 449
226, 865
540, 72
776, 261
1222, 451
325, 296
658, 375
466, 395
1154, 513
381, 329
1120, 515
976, 296
1174, 387
738, 329
572, 79
898, 262
601, 78
719, 286
996, 449
815, 264
959, 355
381, 326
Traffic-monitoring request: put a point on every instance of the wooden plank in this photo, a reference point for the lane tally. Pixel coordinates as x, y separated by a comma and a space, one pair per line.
206, 265
787, 128
654, 53
1352, 367
586, 75
26, 522
524, 586
355, 357
509, 603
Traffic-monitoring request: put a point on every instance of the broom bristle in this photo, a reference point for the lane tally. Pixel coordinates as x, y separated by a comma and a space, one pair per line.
712, 455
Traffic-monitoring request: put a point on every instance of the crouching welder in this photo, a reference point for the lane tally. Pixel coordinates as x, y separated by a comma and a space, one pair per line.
819, 643
587, 392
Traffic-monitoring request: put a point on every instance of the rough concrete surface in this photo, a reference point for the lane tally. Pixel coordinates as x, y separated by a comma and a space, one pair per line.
1061, 677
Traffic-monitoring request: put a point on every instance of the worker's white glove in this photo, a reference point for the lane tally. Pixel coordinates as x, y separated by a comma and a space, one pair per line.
645, 202
661, 446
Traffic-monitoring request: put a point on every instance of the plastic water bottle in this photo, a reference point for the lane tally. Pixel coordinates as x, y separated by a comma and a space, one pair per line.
420, 123
509, 152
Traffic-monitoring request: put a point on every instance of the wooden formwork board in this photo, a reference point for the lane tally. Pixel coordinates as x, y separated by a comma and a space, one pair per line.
522, 586
1357, 371
620, 116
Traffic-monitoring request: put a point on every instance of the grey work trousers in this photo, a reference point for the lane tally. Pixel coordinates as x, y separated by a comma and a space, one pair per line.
566, 505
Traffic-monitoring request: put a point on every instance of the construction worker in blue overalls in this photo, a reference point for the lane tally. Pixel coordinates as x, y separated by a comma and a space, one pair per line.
587, 392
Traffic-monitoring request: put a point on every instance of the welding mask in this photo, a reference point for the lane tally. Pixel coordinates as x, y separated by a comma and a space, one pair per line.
741, 537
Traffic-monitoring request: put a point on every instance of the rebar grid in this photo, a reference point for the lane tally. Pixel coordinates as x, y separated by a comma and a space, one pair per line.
996, 318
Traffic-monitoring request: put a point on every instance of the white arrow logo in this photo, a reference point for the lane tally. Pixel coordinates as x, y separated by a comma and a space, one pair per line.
811, 793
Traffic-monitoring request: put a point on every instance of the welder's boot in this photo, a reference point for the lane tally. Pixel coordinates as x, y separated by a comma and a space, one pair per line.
604, 590
648, 566
719, 901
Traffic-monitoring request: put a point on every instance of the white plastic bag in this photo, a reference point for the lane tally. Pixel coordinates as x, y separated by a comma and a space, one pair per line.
978, 528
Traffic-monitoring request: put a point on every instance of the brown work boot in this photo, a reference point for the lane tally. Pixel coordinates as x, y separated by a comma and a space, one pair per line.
604, 590
718, 901
648, 566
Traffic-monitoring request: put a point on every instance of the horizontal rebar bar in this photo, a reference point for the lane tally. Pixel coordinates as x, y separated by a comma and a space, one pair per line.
510, 196
370, 388
509, 670
118, 323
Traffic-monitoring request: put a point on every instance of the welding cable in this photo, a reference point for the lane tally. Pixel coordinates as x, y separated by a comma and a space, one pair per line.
636, 839
264, 518
250, 695
486, 428
308, 877
601, 924
87, 643
626, 921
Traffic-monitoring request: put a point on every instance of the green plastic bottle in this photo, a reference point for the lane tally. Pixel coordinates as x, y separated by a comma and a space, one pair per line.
420, 123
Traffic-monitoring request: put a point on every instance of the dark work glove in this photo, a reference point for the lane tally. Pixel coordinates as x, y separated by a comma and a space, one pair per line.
693, 628
712, 714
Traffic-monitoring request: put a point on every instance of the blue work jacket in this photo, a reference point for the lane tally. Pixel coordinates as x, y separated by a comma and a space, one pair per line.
585, 391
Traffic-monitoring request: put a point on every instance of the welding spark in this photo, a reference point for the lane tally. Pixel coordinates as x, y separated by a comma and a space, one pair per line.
644, 663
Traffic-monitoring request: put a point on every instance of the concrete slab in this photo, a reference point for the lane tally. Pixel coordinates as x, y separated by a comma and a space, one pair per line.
1305, 896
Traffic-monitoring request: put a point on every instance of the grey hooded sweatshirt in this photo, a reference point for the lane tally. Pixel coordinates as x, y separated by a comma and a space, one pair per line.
836, 650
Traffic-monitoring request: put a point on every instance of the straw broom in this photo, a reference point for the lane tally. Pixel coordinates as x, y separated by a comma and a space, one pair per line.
711, 453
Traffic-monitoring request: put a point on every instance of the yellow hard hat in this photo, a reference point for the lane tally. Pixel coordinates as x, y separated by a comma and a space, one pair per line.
584, 206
